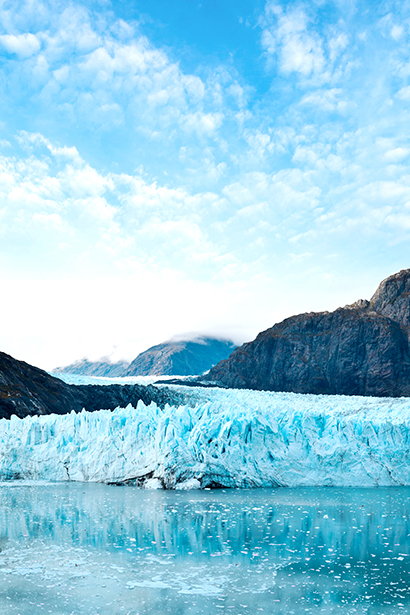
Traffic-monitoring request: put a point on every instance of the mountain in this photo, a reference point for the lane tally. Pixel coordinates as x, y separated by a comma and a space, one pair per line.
103, 367
361, 349
180, 358
26, 390
173, 358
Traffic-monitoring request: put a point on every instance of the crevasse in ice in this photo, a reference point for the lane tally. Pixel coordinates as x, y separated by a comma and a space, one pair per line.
229, 438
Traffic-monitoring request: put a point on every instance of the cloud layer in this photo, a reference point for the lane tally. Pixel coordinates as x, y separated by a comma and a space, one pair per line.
126, 162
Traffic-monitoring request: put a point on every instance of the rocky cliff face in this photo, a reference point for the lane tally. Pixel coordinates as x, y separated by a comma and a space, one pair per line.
392, 298
26, 391
180, 358
362, 349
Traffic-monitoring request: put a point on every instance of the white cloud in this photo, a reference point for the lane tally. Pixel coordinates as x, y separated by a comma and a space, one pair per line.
94, 70
105, 220
72, 317
299, 50
70, 29
242, 194
202, 123
310, 154
116, 231
271, 206
404, 93
259, 142
328, 100
301, 54
337, 44
23, 45
297, 40
67, 153
397, 32
397, 154
49, 221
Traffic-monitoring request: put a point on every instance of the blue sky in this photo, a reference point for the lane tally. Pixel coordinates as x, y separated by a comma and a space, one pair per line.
209, 166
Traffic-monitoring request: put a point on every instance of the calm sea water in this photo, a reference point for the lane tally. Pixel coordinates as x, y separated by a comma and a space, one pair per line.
104, 550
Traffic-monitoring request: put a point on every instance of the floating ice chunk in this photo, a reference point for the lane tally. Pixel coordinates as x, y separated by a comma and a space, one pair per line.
191, 483
153, 483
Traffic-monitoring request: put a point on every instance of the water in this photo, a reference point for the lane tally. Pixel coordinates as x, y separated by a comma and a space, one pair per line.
74, 549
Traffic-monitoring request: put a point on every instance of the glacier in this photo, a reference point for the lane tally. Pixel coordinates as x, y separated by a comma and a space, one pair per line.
220, 438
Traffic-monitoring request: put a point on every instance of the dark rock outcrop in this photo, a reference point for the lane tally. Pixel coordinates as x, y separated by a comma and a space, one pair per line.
96, 397
362, 349
27, 390
180, 358
392, 298
94, 368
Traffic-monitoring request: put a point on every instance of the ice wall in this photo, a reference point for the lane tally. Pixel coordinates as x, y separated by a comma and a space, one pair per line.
233, 439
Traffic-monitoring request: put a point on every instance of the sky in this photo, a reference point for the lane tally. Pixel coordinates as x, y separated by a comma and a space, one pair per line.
185, 166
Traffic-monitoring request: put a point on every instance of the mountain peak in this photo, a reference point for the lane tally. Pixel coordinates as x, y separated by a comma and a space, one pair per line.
181, 357
392, 297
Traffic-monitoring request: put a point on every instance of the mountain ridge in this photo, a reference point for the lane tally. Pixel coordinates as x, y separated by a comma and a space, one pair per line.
361, 349
26, 390
180, 357
102, 368
175, 357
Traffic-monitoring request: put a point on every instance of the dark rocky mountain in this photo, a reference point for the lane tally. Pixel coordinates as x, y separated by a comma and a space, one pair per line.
103, 367
361, 349
180, 358
27, 390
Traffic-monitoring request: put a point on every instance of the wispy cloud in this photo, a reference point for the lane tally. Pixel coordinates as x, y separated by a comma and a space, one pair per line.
296, 41
99, 71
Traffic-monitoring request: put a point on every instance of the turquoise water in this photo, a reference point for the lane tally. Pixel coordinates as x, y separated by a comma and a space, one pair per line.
73, 549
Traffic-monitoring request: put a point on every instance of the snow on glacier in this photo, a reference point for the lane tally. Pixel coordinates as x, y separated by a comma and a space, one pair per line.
227, 438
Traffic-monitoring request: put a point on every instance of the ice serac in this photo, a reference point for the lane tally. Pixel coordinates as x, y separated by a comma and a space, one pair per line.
362, 349
233, 439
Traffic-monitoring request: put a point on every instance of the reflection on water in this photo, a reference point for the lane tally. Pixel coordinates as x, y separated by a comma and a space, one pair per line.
102, 550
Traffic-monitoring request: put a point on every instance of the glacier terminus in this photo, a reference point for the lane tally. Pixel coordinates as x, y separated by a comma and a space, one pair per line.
220, 438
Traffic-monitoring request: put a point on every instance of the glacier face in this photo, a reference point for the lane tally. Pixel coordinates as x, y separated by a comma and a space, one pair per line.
224, 438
